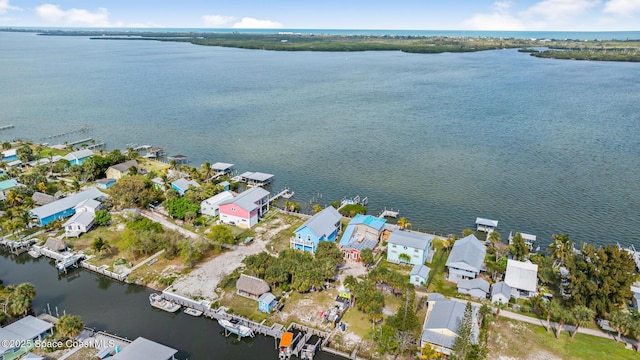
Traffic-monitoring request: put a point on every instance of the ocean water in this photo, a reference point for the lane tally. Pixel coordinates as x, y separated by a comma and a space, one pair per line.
544, 146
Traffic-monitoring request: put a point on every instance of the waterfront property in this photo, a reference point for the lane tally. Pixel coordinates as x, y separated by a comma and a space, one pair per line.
529, 239
466, 259
178, 159
246, 209
477, 287
119, 170
17, 338
144, 349
522, 277
409, 247
267, 302
211, 206
486, 225
419, 275
221, 168
9, 155
78, 157
79, 223
500, 292
362, 232
256, 178
323, 226
63, 208
441, 323
6, 186
251, 287
182, 185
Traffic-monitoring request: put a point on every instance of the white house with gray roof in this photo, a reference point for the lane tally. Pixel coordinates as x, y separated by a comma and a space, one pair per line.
246, 209
522, 277
466, 259
477, 287
145, 349
79, 223
415, 246
442, 321
211, 206
323, 226
419, 275
500, 293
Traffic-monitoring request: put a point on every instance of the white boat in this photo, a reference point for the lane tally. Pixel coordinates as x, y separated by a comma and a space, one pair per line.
235, 328
157, 301
192, 312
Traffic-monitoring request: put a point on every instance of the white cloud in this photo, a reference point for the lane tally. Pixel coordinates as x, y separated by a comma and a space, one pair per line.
251, 23
5, 6
622, 7
494, 22
218, 20
560, 10
54, 13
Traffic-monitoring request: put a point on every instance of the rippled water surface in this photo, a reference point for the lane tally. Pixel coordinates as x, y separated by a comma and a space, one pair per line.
543, 146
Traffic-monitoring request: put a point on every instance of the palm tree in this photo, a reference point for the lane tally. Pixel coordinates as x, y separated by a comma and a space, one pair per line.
99, 245
494, 237
499, 307
403, 223
582, 315
563, 315
550, 307
317, 208
14, 198
622, 321
561, 248
69, 326
21, 298
206, 170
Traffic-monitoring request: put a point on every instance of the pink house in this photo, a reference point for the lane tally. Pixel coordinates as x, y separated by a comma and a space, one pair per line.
245, 209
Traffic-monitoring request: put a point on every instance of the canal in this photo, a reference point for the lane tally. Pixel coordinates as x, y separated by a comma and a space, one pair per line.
124, 310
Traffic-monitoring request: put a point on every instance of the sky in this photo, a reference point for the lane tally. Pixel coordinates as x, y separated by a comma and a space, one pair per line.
508, 15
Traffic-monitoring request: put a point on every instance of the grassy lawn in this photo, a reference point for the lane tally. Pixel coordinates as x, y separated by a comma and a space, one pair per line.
508, 337
439, 283
152, 165
358, 323
242, 306
280, 241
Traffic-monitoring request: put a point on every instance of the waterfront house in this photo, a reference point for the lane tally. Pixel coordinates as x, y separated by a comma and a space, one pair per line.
419, 275
267, 302
414, 246
63, 208
251, 287
6, 186
19, 337
144, 349
529, 239
500, 293
119, 170
362, 232
78, 157
246, 209
522, 277
256, 178
466, 259
42, 198
442, 321
79, 223
211, 206
323, 226
55, 244
9, 155
486, 225
221, 168
182, 185
475, 287
105, 183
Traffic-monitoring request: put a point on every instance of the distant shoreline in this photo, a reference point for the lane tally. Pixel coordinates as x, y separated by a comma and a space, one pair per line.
572, 49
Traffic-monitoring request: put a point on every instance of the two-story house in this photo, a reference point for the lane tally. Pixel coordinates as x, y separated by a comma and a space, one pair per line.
323, 226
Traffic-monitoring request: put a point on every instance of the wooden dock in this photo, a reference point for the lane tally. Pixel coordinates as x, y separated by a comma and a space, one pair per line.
80, 129
389, 213
285, 194
72, 143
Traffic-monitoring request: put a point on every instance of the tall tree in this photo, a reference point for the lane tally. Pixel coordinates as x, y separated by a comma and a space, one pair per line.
550, 308
403, 223
464, 341
366, 255
494, 237
561, 248
69, 326
562, 315
518, 248
581, 315
622, 322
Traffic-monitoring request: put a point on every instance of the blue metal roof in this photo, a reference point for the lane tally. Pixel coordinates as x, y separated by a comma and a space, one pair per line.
371, 221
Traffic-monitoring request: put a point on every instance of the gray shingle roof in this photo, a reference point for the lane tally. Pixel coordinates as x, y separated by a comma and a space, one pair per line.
410, 239
477, 283
144, 349
248, 199
468, 253
124, 167
420, 270
83, 218
501, 288
323, 223
66, 203
446, 315
184, 184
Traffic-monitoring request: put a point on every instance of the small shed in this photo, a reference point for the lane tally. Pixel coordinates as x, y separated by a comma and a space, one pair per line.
419, 275
55, 244
267, 302
251, 287
500, 292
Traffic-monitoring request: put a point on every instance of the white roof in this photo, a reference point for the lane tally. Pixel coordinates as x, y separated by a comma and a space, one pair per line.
218, 199
220, 166
89, 204
10, 152
486, 222
521, 275
144, 349
66, 203
258, 176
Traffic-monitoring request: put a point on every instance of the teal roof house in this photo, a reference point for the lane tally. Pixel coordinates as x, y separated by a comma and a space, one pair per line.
323, 226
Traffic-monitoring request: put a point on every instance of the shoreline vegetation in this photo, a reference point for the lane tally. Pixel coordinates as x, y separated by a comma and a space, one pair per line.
565, 49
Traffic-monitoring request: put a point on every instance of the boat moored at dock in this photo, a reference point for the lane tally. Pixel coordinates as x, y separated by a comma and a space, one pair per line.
234, 328
157, 301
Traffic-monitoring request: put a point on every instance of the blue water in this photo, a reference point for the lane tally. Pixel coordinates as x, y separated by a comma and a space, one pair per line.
544, 146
